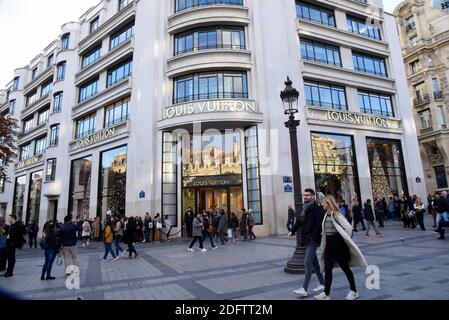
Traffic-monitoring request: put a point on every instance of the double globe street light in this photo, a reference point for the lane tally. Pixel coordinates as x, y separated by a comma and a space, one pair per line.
290, 98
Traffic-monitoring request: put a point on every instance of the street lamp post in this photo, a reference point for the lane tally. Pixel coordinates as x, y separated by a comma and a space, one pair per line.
290, 97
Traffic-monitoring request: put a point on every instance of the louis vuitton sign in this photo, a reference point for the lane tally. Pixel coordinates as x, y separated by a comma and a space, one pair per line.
209, 106
27, 163
359, 119
94, 138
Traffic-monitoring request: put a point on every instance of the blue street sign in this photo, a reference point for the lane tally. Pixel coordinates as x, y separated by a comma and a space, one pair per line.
142, 195
288, 179
288, 188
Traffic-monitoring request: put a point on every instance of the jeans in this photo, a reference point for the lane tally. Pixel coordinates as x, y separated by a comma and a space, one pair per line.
442, 216
118, 239
380, 219
3, 254
310, 263
207, 234
147, 235
420, 219
167, 236
107, 250
234, 233
11, 253
370, 224
32, 237
131, 250
194, 240
50, 256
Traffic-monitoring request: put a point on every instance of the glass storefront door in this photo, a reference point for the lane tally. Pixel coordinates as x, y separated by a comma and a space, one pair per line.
229, 199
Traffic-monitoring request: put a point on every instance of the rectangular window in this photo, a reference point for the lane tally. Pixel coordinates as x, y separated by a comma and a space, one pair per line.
410, 23
375, 103
50, 60
2, 185
414, 66
187, 4
314, 13
440, 173
94, 24
65, 41
119, 72
25, 152
360, 26
388, 176
15, 85
112, 184
80, 183
28, 124
122, 36
85, 126
50, 172
335, 166
41, 146
441, 117
320, 52
117, 113
88, 90
369, 64
54, 135
34, 197
47, 88
33, 73
426, 119
43, 116
32, 98
223, 37
169, 176
210, 86
58, 100
413, 41
19, 197
325, 95
91, 57
253, 173
122, 4
60, 73
12, 107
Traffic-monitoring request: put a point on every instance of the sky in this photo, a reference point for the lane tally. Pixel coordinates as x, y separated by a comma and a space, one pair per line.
28, 26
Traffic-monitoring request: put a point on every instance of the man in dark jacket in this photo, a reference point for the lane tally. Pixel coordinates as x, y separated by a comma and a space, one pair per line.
291, 219
14, 241
67, 240
310, 222
442, 209
370, 218
188, 220
379, 207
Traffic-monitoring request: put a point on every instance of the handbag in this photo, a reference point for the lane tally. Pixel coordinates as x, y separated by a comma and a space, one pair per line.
43, 244
229, 233
3, 242
58, 260
158, 225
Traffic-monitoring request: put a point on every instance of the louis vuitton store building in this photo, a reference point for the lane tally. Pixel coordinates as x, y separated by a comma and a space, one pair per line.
167, 105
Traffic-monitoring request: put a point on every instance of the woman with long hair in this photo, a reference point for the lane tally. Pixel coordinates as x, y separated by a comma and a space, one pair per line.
51, 249
130, 237
338, 248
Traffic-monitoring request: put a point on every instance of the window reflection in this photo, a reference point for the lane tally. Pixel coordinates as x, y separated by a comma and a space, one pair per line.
80, 182
34, 197
112, 185
213, 155
335, 166
387, 168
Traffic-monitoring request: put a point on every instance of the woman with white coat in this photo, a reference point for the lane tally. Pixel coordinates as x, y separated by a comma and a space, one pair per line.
87, 230
338, 249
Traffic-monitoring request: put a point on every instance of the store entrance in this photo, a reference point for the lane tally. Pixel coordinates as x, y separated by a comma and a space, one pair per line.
230, 199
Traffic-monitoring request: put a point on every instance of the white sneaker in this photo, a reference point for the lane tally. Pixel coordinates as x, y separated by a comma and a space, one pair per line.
318, 289
203, 250
214, 248
190, 249
301, 292
322, 296
352, 295
116, 258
